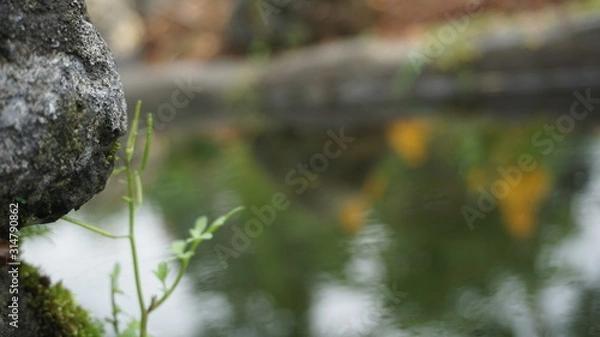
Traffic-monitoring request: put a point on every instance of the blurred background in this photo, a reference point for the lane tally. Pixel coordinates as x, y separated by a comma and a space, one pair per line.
409, 168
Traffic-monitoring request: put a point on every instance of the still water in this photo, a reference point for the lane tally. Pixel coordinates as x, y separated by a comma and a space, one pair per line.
423, 227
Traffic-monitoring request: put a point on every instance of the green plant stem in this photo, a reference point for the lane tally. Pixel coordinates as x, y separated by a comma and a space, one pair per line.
155, 304
93, 228
115, 313
182, 269
185, 261
134, 254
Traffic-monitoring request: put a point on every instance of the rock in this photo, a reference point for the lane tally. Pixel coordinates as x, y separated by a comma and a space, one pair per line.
62, 109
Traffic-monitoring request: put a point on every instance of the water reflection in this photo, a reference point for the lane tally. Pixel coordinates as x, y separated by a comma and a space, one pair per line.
405, 263
355, 304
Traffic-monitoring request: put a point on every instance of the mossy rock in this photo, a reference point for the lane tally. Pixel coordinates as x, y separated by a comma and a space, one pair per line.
45, 309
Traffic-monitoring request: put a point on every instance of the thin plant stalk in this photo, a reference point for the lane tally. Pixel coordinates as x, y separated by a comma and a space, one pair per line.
184, 264
93, 228
134, 253
183, 250
131, 181
114, 290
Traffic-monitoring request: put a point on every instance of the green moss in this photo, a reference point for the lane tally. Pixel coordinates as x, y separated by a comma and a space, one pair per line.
67, 136
55, 309
111, 156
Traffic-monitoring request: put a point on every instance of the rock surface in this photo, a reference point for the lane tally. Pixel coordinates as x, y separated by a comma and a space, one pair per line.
62, 109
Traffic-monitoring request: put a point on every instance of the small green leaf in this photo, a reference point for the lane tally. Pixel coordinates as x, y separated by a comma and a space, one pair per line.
114, 279
206, 236
178, 247
220, 221
199, 227
133, 132
149, 124
116, 271
162, 271
202, 237
132, 330
118, 170
186, 255
138, 189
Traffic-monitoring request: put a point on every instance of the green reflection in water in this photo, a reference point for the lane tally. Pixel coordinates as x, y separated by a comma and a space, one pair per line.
290, 241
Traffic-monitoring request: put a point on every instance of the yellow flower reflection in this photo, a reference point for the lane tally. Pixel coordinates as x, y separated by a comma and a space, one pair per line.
521, 205
353, 212
410, 139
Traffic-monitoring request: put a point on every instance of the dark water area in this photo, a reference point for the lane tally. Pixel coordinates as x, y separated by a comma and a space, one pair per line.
424, 226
